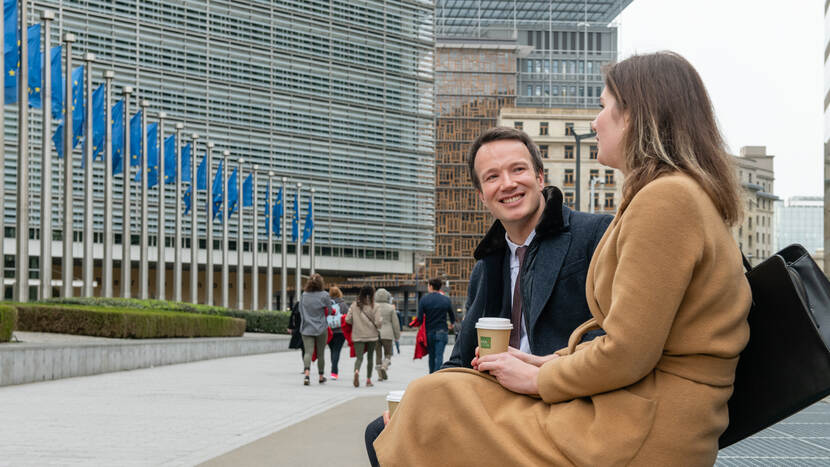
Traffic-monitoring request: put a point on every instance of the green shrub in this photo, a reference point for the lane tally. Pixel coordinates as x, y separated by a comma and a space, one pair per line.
275, 322
123, 322
8, 322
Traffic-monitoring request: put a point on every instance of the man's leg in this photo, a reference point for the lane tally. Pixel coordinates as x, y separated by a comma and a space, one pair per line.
373, 430
335, 345
431, 351
440, 344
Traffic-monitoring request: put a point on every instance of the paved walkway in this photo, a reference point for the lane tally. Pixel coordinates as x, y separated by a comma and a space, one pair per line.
254, 410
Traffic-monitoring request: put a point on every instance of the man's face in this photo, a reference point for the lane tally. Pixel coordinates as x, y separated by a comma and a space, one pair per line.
510, 188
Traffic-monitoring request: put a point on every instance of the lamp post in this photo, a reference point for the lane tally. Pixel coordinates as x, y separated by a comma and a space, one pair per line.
578, 139
594, 181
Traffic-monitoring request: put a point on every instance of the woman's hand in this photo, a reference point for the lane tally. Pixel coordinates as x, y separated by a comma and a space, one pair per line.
386, 417
511, 372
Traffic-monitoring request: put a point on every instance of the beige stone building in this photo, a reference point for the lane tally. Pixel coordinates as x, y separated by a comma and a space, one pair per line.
553, 131
755, 173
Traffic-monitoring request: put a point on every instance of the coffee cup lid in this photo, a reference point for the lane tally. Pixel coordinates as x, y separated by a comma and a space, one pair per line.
394, 396
494, 323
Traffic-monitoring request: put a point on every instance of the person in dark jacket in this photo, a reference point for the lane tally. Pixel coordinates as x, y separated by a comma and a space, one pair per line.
435, 310
537, 247
294, 323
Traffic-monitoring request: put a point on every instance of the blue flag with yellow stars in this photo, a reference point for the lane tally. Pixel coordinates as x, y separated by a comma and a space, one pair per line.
170, 160
186, 163
295, 222
308, 225
188, 199
11, 50
248, 191
276, 215
217, 192
152, 156
35, 66
78, 113
58, 85
233, 193
117, 123
135, 140
99, 120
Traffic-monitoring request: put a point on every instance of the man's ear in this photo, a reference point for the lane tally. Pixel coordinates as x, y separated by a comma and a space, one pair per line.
480, 195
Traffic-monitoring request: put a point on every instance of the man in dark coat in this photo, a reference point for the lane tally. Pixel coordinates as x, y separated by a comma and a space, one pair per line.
532, 263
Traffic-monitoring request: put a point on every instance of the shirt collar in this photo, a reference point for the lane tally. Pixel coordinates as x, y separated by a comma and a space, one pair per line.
513, 246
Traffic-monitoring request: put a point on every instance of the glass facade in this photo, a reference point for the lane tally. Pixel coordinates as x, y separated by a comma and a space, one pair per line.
800, 220
337, 95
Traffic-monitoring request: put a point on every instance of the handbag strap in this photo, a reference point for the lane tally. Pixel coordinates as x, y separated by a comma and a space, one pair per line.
747, 264
579, 333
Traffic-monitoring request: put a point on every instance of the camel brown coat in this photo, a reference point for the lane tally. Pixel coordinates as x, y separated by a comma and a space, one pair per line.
667, 286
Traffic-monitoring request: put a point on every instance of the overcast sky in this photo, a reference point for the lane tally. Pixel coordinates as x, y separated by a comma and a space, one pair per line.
762, 62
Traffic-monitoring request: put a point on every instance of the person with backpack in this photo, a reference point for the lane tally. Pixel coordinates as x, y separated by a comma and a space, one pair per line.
338, 310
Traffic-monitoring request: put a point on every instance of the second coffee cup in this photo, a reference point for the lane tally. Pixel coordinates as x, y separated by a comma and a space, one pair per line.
493, 335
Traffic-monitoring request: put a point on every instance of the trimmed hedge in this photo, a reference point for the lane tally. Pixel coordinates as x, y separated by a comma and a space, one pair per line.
274, 322
124, 323
8, 322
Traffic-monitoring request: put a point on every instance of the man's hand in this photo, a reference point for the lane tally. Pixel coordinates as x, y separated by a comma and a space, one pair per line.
511, 372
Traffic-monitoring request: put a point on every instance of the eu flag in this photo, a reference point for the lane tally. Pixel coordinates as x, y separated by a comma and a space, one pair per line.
185, 165
308, 226
170, 160
35, 66
217, 191
57, 140
295, 222
58, 85
99, 120
188, 199
248, 191
152, 156
201, 174
135, 140
11, 50
267, 213
117, 137
233, 193
276, 215
77, 105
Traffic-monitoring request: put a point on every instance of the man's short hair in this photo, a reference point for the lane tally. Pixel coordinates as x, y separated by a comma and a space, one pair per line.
435, 284
501, 133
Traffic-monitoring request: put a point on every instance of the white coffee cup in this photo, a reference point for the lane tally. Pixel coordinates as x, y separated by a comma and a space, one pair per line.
392, 400
493, 335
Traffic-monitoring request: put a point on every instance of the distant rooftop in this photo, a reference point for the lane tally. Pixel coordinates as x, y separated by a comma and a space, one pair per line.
458, 17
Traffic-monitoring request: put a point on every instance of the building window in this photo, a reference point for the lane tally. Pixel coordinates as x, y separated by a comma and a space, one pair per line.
609, 178
609, 200
569, 177
543, 151
539, 90
529, 90
519, 125
569, 129
569, 151
543, 129
594, 173
593, 150
596, 200
569, 199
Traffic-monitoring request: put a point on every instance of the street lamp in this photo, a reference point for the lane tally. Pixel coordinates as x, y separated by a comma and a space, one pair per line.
594, 181
578, 139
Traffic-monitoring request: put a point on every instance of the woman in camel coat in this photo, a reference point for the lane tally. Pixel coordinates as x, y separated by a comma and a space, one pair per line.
665, 284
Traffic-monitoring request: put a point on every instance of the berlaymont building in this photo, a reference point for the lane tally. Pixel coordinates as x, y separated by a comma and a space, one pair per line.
336, 95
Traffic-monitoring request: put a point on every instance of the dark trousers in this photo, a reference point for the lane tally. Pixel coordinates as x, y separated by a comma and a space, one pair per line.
436, 342
373, 430
335, 344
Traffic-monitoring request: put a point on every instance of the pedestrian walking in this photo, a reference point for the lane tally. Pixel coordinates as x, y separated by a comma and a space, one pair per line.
365, 320
338, 310
390, 331
294, 322
314, 306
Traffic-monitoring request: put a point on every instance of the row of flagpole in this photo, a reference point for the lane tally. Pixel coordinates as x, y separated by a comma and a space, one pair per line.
83, 109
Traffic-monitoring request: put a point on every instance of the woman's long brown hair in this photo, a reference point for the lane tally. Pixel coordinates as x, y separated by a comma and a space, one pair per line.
671, 128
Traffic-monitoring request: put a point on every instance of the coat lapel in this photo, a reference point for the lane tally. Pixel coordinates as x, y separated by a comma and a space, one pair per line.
543, 272
494, 267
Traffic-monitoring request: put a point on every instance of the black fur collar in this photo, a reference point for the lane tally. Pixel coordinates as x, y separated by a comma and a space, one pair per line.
552, 222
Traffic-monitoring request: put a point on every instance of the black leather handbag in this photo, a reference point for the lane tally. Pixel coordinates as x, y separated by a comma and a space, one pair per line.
786, 364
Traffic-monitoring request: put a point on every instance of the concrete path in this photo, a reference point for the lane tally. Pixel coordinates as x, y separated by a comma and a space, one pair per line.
189, 413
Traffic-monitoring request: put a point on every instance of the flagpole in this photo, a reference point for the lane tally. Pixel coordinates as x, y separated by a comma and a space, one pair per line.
284, 305
255, 249
22, 215
143, 266
225, 218
126, 216
3, 144
209, 223
240, 251
46, 161
299, 248
269, 220
87, 268
177, 251
311, 245
194, 239
107, 277
67, 262
160, 230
